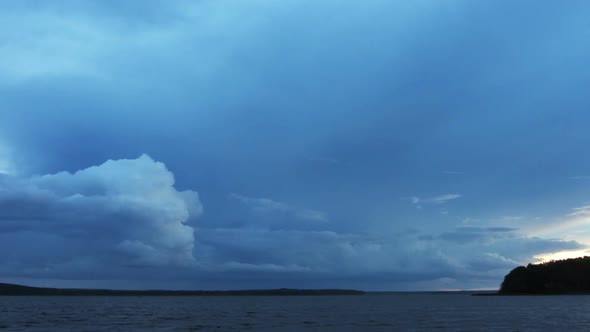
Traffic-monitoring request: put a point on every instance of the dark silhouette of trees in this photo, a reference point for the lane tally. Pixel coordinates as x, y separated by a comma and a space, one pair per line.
554, 277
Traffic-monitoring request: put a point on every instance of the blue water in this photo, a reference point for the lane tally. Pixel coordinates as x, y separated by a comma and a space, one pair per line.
391, 312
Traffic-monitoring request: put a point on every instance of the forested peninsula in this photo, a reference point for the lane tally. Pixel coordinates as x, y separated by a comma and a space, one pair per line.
16, 290
568, 276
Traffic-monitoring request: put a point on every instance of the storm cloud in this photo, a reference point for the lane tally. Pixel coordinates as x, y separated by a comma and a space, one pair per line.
301, 124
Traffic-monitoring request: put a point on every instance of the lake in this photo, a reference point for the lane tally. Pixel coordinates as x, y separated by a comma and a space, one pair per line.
372, 312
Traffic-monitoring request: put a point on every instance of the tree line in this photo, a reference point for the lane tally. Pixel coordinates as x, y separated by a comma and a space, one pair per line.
553, 277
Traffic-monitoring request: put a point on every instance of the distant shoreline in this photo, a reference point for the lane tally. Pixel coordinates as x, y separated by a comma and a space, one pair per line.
20, 290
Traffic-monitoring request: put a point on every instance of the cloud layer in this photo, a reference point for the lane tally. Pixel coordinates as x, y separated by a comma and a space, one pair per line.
124, 217
464, 255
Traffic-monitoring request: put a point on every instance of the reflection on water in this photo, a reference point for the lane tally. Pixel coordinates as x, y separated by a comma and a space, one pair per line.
391, 312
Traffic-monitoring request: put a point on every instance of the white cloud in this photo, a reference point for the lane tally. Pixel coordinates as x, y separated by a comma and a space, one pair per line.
269, 206
121, 213
262, 205
442, 199
582, 211
570, 224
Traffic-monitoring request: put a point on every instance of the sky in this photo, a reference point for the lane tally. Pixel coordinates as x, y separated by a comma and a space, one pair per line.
227, 144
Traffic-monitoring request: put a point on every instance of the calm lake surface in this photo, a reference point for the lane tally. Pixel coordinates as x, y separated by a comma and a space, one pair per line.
390, 312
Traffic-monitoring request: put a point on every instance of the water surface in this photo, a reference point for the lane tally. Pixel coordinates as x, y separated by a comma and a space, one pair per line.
391, 312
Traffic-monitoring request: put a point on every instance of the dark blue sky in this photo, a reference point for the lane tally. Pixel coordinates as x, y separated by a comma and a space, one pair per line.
394, 145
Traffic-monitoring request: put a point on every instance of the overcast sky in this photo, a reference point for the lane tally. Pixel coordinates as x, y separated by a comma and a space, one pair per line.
375, 144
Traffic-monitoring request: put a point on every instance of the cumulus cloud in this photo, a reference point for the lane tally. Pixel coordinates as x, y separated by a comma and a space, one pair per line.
265, 206
123, 213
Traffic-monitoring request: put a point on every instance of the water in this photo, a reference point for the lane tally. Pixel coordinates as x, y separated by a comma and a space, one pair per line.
391, 312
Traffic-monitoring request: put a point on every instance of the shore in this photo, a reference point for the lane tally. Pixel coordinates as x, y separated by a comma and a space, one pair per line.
19, 290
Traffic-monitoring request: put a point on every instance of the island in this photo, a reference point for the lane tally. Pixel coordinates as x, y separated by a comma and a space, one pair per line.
19, 290
567, 276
